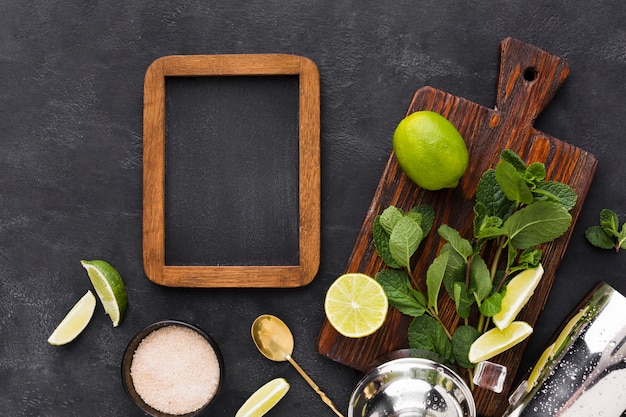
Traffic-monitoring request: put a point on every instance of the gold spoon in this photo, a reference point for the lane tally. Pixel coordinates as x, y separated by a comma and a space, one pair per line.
274, 340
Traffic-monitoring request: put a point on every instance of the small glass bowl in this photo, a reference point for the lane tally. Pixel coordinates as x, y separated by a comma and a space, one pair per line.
128, 358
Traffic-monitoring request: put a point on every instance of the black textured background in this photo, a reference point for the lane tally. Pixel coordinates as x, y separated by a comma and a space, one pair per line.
71, 79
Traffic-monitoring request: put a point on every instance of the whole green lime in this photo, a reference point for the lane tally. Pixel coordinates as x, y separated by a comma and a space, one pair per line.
430, 150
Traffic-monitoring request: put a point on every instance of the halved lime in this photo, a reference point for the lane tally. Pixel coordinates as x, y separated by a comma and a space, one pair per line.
356, 305
518, 292
263, 399
496, 341
75, 321
110, 288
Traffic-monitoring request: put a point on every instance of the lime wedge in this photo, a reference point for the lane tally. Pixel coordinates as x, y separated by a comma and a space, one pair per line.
356, 305
518, 291
75, 321
110, 288
263, 399
496, 341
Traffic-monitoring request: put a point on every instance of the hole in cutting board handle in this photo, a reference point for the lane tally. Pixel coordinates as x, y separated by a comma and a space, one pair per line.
530, 74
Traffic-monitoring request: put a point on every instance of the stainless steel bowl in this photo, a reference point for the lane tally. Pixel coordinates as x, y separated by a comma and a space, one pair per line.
412, 387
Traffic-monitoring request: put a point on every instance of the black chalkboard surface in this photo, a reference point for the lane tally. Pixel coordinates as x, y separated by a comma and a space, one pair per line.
231, 170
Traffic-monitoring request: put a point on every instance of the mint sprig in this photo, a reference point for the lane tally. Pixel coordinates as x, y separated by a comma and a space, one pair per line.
608, 234
397, 234
516, 209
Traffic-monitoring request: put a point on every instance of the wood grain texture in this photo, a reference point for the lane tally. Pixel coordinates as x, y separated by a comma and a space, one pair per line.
528, 79
154, 171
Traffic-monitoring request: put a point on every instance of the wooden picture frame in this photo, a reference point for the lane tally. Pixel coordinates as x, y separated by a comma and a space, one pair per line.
154, 171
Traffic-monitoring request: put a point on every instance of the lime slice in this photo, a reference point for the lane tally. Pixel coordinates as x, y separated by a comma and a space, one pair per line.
356, 305
565, 335
555, 348
263, 399
518, 291
496, 341
541, 363
110, 288
75, 321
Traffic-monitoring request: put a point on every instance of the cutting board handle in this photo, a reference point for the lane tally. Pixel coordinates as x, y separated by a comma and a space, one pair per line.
528, 79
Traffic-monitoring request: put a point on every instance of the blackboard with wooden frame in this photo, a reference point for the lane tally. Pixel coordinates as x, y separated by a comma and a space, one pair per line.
154, 172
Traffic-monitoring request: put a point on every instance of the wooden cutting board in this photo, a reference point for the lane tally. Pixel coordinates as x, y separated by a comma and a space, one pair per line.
528, 79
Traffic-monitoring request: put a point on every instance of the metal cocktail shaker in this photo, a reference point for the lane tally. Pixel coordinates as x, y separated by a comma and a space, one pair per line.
411, 387
583, 373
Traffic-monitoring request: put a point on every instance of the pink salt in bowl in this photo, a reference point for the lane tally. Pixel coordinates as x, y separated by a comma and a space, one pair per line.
172, 368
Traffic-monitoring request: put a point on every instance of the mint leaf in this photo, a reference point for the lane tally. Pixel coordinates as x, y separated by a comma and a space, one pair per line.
427, 216
404, 240
462, 340
491, 305
389, 217
381, 243
598, 238
537, 223
609, 222
513, 184
414, 215
492, 222
489, 226
490, 194
621, 239
491, 232
434, 278
426, 333
511, 256
480, 280
462, 300
513, 159
529, 258
535, 172
455, 270
401, 293
462, 246
556, 191
480, 214
607, 235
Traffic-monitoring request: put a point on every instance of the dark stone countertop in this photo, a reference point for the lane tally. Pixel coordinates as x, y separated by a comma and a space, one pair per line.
71, 84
